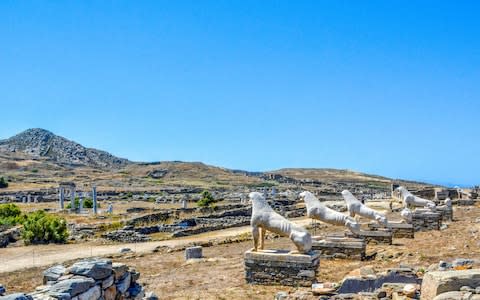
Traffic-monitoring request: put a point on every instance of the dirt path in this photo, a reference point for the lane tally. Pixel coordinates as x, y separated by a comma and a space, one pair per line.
16, 258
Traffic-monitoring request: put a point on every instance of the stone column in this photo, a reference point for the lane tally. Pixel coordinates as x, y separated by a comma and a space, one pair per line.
184, 203
29, 198
72, 199
80, 205
94, 198
62, 196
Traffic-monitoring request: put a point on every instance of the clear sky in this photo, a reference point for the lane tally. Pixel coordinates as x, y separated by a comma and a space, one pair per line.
384, 87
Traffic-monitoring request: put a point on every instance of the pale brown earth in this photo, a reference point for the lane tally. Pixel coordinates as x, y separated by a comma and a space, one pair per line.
220, 275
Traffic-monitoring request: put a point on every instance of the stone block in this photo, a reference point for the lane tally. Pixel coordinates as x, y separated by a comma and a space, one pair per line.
399, 230
193, 252
378, 237
436, 283
93, 268
426, 220
278, 267
346, 247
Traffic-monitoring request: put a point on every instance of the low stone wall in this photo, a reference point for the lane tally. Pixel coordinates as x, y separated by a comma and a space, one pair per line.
275, 267
446, 213
89, 279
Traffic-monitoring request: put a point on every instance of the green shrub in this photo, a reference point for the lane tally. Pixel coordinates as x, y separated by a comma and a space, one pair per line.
87, 203
42, 228
207, 199
3, 183
10, 214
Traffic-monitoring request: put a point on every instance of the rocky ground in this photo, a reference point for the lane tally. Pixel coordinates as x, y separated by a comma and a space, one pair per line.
220, 274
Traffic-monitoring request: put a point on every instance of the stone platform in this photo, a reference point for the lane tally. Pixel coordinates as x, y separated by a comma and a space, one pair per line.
344, 246
399, 230
280, 267
424, 220
379, 237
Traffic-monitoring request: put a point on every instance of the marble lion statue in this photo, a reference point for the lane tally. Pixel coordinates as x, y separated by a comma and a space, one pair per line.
406, 215
410, 200
355, 207
265, 218
316, 210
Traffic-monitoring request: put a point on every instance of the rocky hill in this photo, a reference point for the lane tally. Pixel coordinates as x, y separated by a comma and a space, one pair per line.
43, 143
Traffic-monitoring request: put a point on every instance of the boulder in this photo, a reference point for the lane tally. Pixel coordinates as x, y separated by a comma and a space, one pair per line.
124, 284
455, 295
16, 296
436, 283
93, 268
92, 294
193, 252
150, 296
108, 282
110, 293
73, 286
2, 290
53, 273
136, 291
119, 270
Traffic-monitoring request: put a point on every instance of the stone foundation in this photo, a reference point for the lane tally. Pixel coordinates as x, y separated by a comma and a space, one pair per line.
340, 247
426, 220
379, 237
278, 267
399, 230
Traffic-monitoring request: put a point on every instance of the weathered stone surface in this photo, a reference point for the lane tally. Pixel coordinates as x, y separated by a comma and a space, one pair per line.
150, 296
108, 281
124, 284
399, 230
73, 286
426, 220
94, 268
92, 294
370, 283
455, 295
2, 290
349, 247
136, 291
378, 237
16, 296
53, 273
119, 270
436, 283
193, 252
275, 267
59, 296
110, 293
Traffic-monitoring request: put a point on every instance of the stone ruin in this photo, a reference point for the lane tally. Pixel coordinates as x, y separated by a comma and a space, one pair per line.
90, 279
278, 267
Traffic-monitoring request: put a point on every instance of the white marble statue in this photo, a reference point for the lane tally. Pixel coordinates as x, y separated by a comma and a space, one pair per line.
265, 218
410, 200
355, 207
316, 210
406, 215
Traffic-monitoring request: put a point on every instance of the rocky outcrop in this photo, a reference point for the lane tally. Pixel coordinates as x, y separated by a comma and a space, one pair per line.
42, 143
90, 279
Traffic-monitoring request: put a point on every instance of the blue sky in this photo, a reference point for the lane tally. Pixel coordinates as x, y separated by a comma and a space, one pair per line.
385, 87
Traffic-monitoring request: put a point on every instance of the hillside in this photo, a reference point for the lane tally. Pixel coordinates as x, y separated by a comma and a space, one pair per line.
37, 158
41, 143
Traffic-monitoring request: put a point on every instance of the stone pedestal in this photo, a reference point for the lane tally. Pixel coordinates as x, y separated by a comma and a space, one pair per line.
279, 267
426, 220
399, 230
378, 237
340, 247
446, 213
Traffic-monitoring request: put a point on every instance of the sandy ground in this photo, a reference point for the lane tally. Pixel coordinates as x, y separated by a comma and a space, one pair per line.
221, 274
15, 258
